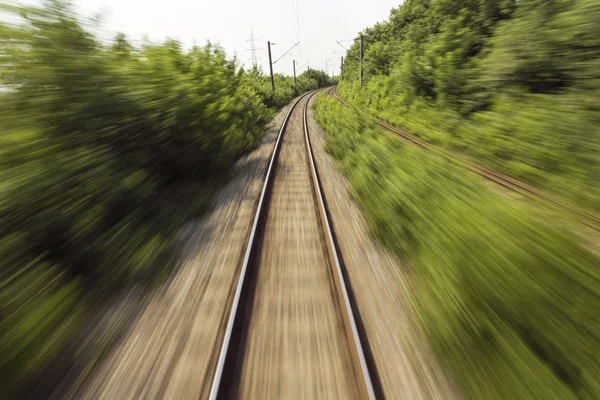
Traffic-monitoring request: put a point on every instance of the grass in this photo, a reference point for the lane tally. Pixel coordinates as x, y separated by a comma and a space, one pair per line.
507, 299
549, 142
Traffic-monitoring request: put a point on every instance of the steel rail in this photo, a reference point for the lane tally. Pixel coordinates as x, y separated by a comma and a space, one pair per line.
360, 366
508, 182
358, 354
216, 382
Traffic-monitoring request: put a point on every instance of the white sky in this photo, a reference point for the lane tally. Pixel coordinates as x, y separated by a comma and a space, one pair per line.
228, 22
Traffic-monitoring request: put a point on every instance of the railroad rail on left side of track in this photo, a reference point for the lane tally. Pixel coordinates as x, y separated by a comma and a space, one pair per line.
292, 331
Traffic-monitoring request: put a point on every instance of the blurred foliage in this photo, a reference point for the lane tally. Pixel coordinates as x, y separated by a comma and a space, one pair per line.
509, 304
285, 88
105, 151
512, 83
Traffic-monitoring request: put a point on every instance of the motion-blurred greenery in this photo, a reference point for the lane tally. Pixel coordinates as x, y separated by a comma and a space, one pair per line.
509, 304
105, 151
514, 84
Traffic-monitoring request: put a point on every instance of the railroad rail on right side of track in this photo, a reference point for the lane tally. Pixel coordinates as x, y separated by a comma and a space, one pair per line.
510, 183
291, 331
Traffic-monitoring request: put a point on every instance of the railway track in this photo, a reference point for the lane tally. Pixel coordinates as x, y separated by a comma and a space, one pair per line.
291, 331
503, 180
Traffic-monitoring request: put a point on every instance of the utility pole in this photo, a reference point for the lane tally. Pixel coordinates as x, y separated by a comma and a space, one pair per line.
271, 66
342, 69
361, 59
294, 64
271, 63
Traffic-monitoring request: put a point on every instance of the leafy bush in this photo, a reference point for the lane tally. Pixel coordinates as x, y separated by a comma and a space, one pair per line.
508, 303
105, 151
285, 88
512, 83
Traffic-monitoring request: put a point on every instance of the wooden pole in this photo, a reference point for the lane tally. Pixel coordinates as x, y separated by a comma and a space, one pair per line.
361, 60
271, 66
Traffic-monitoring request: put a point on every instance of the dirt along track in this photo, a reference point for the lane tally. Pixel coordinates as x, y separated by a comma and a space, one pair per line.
170, 352
298, 343
292, 336
404, 365
294, 339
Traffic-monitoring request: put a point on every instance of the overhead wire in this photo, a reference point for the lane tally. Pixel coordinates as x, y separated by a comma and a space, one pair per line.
290, 49
296, 21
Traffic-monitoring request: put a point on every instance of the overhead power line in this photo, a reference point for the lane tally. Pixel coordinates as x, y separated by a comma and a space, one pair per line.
347, 50
334, 63
303, 65
284, 54
296, 20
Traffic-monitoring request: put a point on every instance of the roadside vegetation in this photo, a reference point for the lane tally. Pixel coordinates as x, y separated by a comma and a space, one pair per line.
508, 302
105, 151
512, 84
